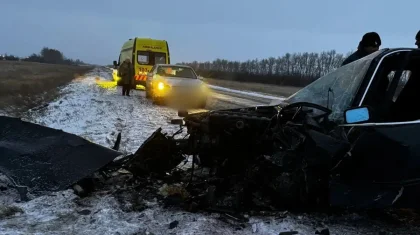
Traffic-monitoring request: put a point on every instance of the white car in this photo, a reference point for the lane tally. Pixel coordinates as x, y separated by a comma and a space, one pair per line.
176, 83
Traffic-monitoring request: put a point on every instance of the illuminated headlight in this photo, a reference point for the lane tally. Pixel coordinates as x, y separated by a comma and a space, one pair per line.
161, 86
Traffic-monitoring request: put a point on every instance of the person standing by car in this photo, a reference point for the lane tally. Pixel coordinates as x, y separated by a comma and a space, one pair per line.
369, 44
418, 39
125, 71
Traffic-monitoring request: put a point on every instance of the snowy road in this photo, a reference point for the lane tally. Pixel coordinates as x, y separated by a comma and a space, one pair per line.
98, 114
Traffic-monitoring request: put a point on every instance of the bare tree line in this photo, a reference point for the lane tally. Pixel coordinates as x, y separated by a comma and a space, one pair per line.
297, 69
46, 55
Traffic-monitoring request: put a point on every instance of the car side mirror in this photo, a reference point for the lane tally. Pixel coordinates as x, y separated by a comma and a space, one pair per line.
357, 115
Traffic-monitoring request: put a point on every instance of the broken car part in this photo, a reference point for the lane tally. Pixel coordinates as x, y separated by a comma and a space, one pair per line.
43, 159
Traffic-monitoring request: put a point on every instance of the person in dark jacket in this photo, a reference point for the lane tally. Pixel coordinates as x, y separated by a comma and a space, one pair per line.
126, 72
418, 39
369, 44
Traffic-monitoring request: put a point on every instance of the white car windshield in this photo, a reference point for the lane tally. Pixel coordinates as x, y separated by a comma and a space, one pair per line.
337, 89
176, 71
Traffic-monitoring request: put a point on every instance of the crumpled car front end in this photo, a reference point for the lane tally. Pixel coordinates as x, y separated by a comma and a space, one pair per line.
273, 157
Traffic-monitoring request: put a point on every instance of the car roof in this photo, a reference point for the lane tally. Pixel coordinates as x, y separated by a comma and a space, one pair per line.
403, 48
390, 50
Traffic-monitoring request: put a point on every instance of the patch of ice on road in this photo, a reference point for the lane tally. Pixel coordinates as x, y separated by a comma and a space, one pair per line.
98, 114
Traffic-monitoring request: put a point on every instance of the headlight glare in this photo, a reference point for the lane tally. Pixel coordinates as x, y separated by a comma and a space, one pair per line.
161, 86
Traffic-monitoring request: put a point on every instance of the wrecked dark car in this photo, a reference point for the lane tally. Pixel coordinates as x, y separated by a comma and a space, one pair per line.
347, 140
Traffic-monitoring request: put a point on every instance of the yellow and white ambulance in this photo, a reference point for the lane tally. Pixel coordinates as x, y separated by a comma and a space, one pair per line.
143, 53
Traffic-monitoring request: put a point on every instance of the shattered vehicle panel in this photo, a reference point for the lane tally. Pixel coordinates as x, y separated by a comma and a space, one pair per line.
43, 159
388, 165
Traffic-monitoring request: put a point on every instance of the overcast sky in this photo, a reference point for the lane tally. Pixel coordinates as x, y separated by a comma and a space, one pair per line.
94, 31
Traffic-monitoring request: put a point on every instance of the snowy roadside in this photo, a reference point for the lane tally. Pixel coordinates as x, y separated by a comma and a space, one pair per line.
98, 114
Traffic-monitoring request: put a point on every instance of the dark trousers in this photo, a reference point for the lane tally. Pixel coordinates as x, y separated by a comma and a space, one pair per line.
126, 89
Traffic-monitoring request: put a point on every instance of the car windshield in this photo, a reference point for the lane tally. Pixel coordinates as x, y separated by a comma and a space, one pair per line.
337, 89
176, 71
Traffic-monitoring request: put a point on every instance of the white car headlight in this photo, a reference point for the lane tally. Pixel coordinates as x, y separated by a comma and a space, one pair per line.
161, 86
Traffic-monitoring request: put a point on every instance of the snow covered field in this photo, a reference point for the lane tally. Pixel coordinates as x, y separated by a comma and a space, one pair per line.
98, 114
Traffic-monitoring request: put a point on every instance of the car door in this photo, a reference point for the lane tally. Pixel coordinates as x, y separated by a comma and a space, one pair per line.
385, 156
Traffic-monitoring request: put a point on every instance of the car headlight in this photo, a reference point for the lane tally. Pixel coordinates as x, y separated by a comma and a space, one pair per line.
161, 86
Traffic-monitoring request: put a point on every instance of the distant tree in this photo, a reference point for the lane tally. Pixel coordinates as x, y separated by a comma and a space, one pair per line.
34, 58
10, 57
52, 56
47, 55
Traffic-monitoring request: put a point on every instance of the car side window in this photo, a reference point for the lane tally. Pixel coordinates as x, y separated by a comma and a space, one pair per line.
379, 93
391, 96
405, 76
406, 94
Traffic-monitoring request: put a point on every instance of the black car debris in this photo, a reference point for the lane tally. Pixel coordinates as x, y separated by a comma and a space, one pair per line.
348, 140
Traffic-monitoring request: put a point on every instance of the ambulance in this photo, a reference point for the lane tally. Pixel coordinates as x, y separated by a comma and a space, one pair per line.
143, 53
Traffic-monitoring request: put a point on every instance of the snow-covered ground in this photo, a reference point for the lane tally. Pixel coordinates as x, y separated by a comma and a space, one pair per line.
98, 114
